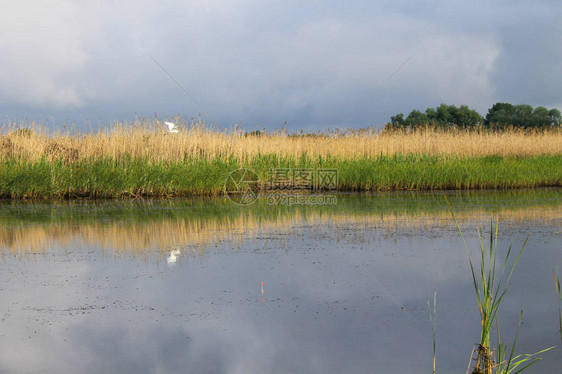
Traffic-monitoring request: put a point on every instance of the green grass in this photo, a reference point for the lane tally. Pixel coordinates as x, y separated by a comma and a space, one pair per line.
130, 178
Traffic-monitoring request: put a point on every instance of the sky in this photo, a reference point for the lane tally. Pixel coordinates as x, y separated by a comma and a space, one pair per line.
313, 64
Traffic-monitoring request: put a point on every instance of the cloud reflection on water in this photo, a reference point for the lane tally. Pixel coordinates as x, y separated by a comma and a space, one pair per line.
80, 300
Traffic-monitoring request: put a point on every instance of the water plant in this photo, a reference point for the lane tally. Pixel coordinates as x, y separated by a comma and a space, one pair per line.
490, 287
432, 315
559, 293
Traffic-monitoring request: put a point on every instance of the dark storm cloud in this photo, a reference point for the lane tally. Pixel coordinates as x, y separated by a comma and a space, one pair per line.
308, 63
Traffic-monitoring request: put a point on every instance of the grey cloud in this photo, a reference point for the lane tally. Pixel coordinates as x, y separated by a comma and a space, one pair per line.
310, 64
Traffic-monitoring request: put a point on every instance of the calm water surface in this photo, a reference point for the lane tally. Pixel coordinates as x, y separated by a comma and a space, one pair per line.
176, 286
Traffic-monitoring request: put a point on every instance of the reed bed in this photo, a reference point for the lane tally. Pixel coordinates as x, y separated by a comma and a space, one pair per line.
140, 159
148, 140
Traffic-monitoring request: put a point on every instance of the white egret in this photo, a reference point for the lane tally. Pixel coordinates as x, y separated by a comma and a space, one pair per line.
172, 127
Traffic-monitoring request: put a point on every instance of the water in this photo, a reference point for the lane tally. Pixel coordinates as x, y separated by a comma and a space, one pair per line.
175, 286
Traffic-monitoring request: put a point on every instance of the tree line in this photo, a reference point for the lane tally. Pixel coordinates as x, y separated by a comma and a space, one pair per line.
500, 116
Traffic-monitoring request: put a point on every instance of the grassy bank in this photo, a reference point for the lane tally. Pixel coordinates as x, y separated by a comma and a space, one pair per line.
111, 178
141, 160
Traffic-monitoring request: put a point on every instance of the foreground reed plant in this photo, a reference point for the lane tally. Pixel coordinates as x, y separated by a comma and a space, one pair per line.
559, 293
490, 288
432, 317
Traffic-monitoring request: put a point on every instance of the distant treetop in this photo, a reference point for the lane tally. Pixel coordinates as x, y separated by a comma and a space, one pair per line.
504, 114
500, 115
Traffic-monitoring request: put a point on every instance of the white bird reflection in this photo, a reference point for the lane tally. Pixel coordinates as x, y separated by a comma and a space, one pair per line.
173, 257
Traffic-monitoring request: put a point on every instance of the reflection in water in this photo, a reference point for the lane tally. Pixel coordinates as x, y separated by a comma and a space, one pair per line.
161, 227
75, 298
173, 257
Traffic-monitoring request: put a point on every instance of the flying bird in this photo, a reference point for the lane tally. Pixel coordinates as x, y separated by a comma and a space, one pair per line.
172, 127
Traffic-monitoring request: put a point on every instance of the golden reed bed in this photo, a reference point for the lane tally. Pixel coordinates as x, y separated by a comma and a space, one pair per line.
148, 139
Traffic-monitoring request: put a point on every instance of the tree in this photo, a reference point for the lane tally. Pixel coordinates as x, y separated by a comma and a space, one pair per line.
467, 117
543, 117
443, 116
555, 117
502, 115
499, 113
523, 115
416, 119
397, 120
539, 117
499, 116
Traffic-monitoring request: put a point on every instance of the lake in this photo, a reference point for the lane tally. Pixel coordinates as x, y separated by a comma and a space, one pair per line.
176, 285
